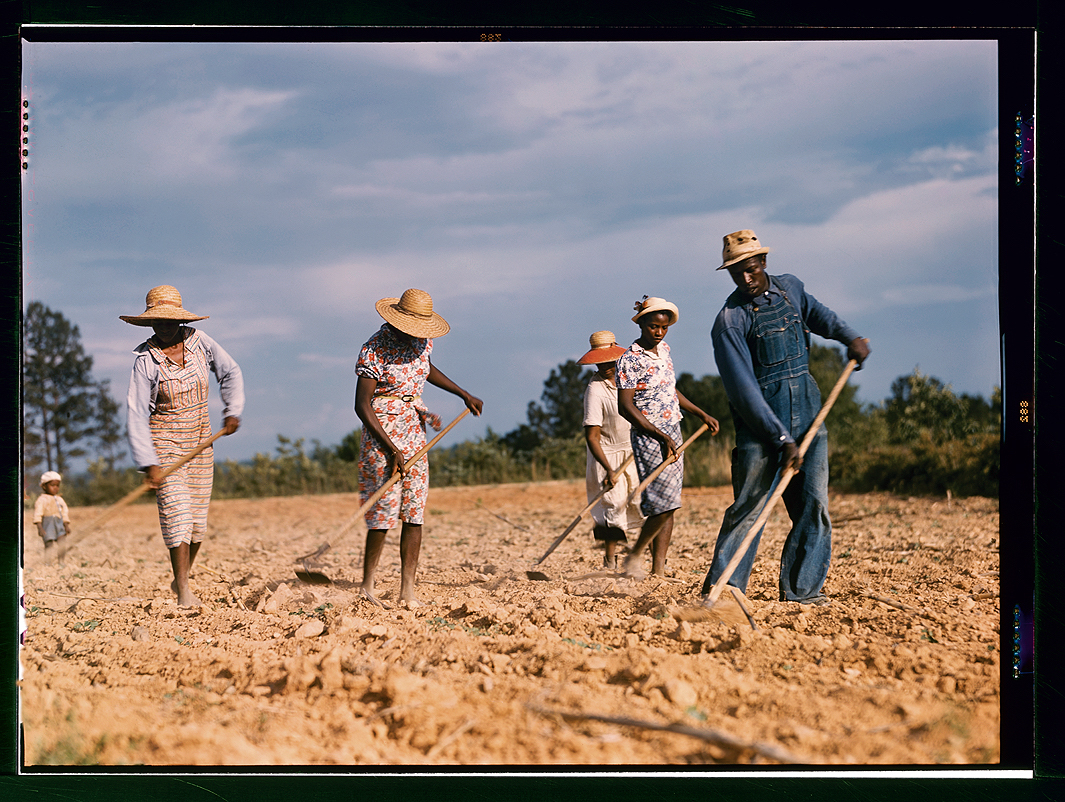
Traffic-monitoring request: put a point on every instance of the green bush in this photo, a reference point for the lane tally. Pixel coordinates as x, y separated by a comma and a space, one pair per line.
708, 462
966, 467
291, 472
492, 461
475, 462
100, 485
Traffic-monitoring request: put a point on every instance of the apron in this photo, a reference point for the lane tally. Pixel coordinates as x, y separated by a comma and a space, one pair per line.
179, 423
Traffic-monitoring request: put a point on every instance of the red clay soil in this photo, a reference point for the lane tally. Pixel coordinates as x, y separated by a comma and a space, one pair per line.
496, 669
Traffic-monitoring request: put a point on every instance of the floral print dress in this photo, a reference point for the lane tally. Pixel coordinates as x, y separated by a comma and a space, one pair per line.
400, 366
655, 383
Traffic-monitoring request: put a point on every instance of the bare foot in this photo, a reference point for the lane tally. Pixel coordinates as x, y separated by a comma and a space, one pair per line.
633, 570
367, 593
185, 597
411, 603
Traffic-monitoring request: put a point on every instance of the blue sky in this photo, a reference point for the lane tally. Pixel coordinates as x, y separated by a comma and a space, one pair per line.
536, 190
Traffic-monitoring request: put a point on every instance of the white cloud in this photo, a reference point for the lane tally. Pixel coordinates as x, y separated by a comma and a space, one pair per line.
197, 134
123, 150
947, 161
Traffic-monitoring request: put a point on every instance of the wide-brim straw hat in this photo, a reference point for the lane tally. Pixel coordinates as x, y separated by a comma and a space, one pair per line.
604, 349
740, 245
412, 313
649, 305
50, 476
163, 303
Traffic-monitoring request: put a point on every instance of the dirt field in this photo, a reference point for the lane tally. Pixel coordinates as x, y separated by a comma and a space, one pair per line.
497, 669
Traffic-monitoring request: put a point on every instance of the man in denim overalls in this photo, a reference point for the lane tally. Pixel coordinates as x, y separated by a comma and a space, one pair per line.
761, 345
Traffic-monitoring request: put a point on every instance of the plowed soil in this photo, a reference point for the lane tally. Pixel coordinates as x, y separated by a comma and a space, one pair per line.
498, 669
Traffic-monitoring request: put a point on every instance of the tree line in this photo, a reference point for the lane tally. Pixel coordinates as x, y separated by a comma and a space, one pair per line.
923, 439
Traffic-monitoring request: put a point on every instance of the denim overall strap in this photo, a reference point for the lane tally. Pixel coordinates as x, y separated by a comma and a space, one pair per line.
778, 340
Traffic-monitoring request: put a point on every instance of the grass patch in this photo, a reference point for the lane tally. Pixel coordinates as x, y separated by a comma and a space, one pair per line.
593, 646
695, 713
72, 750
319, 612
438, 623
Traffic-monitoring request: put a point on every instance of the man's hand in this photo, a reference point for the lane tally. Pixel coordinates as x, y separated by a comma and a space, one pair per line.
230, 425
858, 350
790, 457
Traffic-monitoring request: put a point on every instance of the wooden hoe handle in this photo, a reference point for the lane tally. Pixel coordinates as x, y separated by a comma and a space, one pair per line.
785, 477
395, 476
582, 513
137, 492
643, 485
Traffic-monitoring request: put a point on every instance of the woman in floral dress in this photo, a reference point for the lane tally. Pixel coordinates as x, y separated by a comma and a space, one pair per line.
392, 369
649, 399
167, 418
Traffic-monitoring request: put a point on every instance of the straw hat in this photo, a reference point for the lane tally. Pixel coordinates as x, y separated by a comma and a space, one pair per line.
739, 245
648, 305
163, 303
604, 349
50, 476
413, 314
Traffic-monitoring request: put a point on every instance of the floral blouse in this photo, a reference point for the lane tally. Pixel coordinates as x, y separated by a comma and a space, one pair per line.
398, 367
654, 381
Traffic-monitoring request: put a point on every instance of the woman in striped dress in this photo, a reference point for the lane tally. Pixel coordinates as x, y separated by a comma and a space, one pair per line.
167, 417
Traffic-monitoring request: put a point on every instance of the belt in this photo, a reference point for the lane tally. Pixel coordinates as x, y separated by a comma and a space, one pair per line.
407, 398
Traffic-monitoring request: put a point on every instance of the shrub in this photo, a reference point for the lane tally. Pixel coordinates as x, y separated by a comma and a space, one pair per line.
708, 462
100, 485
966, 467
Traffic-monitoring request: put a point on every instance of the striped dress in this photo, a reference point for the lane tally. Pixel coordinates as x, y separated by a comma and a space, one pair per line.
179, 423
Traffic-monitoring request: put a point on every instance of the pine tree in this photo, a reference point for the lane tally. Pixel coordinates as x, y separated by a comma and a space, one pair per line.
63, 407
562, 412
107, 431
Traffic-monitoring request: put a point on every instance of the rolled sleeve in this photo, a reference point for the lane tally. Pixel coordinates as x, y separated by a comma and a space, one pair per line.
593, 406
228, 373
139, 404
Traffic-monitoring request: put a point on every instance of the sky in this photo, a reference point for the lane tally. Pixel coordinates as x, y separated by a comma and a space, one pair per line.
535, 190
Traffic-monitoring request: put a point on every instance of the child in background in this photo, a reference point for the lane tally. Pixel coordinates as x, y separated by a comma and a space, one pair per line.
606, 434
50, 513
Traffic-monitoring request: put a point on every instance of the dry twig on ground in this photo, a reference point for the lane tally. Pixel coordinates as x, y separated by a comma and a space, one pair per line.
711, 736
504, 520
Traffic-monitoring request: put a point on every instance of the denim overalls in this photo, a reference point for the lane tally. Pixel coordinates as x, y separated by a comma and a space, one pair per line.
779, 343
